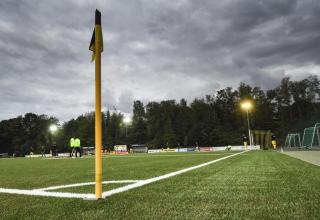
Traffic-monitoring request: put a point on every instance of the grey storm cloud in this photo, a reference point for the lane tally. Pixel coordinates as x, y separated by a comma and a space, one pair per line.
154, 50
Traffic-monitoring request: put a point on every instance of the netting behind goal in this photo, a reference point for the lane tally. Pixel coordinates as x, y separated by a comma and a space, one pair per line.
293, 140
311, 136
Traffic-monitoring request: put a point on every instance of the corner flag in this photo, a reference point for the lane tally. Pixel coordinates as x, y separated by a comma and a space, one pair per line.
97, 34
96, 46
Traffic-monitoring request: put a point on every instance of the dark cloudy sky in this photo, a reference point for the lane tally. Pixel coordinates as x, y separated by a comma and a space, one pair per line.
154, 50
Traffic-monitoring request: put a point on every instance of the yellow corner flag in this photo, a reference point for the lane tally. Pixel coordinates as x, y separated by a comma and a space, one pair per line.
96, 36
96, 46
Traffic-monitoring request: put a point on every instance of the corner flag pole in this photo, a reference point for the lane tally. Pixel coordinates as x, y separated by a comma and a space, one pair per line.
96, 46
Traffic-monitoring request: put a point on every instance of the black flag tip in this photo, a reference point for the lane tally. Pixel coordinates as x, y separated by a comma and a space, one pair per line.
98, 17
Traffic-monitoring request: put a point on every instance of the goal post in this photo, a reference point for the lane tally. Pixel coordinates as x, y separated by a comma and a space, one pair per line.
311, 136
293, 140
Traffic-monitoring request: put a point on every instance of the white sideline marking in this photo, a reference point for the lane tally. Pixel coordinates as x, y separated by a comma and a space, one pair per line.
47, 194
90, 196
148, 181
169, 155
84, 184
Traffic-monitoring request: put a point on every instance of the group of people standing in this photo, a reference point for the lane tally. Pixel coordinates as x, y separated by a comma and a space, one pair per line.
75, 147
273, 141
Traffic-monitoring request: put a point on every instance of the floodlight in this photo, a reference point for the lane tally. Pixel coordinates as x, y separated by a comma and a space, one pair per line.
53, 128
246, 105
127, 120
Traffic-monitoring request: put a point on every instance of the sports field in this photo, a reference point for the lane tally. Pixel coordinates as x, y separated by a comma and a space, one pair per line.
250, 185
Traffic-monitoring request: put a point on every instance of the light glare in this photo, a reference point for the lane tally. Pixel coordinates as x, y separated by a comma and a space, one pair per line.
126, 119
246, 105
53, 128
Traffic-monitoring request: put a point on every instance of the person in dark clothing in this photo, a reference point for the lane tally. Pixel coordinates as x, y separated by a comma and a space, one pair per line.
43, 151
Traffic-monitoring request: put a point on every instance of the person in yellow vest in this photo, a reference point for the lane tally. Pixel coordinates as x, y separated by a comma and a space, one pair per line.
77, 145
245, 141
72, 142
274, 141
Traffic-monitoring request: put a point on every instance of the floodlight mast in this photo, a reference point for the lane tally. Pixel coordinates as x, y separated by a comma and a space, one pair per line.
53, 128
247, 105
126, 121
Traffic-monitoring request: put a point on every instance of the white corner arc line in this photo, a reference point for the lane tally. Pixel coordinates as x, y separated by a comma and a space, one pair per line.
168, 175
84, 184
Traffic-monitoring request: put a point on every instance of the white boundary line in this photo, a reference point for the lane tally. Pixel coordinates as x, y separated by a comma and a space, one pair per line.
136, 184
85, 184
171, 155
47, 194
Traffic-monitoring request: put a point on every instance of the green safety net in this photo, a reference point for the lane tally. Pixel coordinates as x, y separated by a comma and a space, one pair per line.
311, 136
293, 140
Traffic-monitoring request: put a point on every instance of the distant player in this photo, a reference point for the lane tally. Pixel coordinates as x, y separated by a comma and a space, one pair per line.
43, 151
274, 141
245, 141
54, 150
77, 146
72, 140
31, 150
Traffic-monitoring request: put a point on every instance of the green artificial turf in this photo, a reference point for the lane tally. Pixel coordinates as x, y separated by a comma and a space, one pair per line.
29, 173
253, 185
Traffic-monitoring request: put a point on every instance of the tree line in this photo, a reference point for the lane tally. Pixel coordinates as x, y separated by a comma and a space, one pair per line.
214, 120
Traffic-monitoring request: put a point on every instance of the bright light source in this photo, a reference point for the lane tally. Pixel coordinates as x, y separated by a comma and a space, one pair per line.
53, 128
247, 105
127, 120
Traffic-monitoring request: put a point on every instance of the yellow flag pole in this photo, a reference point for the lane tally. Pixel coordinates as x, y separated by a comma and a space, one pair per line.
98, 122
